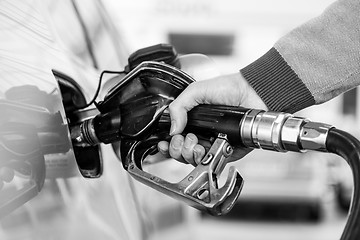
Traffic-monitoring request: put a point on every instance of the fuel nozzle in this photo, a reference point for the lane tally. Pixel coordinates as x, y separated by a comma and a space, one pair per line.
137, 108
135, 111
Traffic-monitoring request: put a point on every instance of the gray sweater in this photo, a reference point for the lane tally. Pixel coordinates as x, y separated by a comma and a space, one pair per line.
313, 63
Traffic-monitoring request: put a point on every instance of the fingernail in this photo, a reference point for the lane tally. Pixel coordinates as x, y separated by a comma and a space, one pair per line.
188, 141
161, 150
177, 144
197, 154
173, 127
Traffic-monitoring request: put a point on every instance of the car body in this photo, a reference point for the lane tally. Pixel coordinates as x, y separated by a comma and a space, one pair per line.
51, 56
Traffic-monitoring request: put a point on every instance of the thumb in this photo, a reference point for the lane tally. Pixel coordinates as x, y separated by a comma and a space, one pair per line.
178, 120
187, 100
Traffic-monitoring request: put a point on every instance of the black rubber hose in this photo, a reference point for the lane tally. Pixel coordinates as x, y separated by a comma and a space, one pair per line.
348, 147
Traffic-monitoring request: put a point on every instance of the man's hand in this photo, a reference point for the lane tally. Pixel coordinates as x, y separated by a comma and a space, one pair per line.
231, 90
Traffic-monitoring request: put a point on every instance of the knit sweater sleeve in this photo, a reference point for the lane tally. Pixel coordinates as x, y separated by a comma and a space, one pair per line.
313, 63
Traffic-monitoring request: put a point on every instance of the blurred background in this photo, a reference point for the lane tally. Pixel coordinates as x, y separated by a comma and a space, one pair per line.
285, 196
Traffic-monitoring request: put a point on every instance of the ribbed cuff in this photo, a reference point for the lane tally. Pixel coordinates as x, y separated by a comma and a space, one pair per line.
277, 84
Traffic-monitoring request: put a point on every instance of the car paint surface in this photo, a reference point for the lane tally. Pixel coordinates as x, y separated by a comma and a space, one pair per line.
38, 37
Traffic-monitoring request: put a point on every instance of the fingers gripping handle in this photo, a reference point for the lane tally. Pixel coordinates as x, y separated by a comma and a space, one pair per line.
199, 188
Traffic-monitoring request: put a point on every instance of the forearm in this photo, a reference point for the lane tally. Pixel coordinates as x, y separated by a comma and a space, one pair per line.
312, 64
